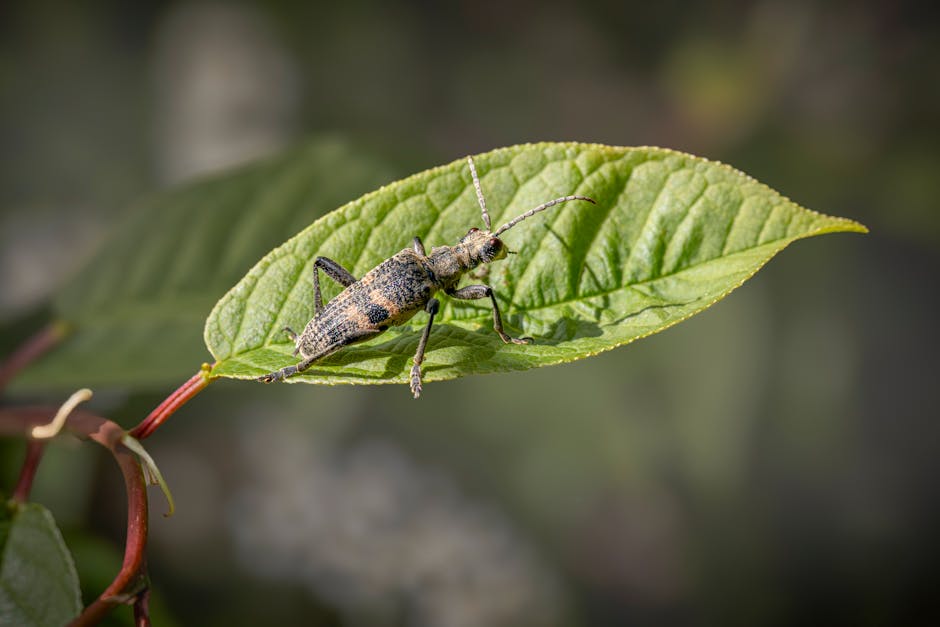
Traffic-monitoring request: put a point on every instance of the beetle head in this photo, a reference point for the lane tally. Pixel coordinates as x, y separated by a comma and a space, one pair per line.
483, 246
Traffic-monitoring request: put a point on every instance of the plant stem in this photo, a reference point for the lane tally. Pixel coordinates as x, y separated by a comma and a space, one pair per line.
173, 402
30, 350
34, 451
130, 585
131, 580
142, 609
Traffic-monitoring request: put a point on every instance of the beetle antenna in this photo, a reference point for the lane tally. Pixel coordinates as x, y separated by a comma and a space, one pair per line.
476, 184
542, 207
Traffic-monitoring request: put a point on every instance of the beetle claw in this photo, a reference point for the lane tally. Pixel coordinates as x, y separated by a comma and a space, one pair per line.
416, 380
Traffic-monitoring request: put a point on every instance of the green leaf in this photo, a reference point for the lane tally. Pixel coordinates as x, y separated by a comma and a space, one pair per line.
38, 582
670, 235
137, 310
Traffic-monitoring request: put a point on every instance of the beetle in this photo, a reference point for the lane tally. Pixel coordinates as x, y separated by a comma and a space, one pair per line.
398, 288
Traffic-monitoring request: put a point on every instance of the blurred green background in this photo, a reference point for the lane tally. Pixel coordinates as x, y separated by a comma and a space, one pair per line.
772, 461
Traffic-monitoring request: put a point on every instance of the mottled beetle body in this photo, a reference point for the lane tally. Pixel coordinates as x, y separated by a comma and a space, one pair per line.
394, 291
389, 295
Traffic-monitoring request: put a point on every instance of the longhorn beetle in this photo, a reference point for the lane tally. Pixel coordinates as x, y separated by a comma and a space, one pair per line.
395, 290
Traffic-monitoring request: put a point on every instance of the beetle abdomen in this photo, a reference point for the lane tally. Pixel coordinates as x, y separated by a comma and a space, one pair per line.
388, 295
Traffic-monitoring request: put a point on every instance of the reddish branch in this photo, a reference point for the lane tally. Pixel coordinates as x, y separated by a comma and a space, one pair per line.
130, 585
142, 609
131, 580
51, 335
31, 350
173, 402
34, 450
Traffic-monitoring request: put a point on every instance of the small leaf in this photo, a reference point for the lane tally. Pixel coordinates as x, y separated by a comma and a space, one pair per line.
38, 581
135, 313
670, 235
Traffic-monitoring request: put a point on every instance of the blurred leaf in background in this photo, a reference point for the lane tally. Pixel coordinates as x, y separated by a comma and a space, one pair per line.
134, 314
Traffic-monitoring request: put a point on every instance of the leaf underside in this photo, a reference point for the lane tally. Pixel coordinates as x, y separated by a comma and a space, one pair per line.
670, 235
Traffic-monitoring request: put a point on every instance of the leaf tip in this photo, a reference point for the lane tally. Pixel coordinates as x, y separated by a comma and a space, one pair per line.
845, 225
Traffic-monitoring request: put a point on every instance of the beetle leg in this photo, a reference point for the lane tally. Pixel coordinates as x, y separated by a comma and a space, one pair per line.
293, 338
289, 371
432, 308
333, 270
419, 246
475, 292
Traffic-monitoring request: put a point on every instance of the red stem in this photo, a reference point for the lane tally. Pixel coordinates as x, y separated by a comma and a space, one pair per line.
142, 609
31, 350
130, 581
173, 402
130, 584
34, 450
